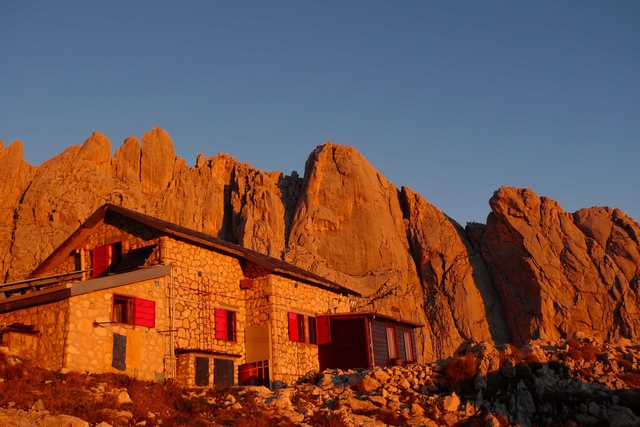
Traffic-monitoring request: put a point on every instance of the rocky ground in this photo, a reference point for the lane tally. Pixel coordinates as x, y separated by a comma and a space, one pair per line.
567, 383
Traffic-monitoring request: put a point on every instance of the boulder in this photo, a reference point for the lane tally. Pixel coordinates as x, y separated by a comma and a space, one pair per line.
378, 400
366, 384
38, 405
621, 416
123, 397
451, 402
66, 421
279, 402
357, 404
380, 375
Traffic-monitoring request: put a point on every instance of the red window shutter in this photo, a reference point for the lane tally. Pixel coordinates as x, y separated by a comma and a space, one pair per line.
323, 330
100, 260
221, 324
144, 313
293, 326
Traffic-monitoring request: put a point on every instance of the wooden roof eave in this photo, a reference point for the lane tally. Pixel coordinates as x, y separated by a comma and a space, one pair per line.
80, 234
37, 282
54, 294
327, 285
66, 290
207, 352
373, 316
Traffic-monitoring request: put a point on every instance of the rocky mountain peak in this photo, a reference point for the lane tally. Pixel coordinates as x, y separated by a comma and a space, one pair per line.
158, 160
557, 278
533, 271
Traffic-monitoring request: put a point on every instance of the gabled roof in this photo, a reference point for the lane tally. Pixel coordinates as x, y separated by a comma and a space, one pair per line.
191, 236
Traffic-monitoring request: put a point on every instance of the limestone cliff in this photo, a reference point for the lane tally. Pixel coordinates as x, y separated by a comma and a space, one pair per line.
562, 274
532, 271
44, 204
348, 226
459, 294
15, 178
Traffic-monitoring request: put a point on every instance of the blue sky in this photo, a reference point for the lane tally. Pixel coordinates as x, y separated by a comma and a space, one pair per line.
450, 98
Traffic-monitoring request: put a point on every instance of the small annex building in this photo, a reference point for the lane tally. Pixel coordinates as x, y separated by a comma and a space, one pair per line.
365, 340
130, 293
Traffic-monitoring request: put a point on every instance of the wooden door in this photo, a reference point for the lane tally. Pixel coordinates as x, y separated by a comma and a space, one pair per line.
223, 373
202, 371
348, 348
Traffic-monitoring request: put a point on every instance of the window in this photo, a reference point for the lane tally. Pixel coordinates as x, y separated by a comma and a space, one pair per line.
122, 309
223, 375
78, 260
256, 373
313, 333
296, 327
408, 347
133, 311
133, 259
318, 329
225, 325
115, 255
391, 342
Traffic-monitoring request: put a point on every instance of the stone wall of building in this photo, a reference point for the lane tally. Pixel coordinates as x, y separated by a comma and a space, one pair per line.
48, 347
258, 300
131, 233
186, 370
203, 281
90, 345
204, 278
270, 300
292, 360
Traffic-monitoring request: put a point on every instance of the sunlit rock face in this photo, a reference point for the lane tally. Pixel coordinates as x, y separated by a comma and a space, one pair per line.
459, 294
561, 273
219, 196
349, 226
15, 177
532, 271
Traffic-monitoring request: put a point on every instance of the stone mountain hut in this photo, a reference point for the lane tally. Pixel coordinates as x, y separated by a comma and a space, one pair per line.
130, 293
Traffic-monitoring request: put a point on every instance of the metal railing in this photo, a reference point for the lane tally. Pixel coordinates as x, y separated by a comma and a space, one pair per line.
39, 283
